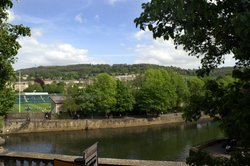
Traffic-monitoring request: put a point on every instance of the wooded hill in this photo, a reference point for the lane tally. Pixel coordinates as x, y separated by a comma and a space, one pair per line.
89, 70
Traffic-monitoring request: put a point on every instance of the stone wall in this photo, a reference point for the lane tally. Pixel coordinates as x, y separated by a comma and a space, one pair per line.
24, 116
21, 126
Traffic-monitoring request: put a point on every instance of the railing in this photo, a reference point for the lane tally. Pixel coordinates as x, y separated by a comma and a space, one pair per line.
32, 159
40, 159
89, 158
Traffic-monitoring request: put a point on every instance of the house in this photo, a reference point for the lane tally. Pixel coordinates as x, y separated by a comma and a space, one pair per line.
21, 85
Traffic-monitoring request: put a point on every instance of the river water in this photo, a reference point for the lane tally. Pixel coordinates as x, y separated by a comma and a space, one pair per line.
160, 142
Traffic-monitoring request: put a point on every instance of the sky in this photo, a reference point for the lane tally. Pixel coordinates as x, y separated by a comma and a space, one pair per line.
66, 32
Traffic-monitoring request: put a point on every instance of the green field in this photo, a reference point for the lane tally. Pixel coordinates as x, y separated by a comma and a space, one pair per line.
32, 107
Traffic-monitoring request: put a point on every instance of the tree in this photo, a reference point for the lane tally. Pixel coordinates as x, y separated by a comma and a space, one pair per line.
70, 103
7, 98
124, 98
232, 105
206, 29
196, 86
8, 50
157, 93
54, 88
196, 99
181, 90
210, 29
39, 81
105, 89
226, 80
88, 99
72, 90
34, 88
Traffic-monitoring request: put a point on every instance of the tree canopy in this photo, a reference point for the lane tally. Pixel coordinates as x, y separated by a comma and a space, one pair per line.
90, 70
8, 50
157, 93
124, 97
210, 30
205, 28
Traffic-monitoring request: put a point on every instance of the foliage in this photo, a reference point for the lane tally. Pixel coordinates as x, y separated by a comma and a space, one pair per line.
105, 89
181, 89
221, 72
103, 96
8, 49
54, 88
206, 29
72, 90
1, 122
203, 158
226, 81
50, 88
97, 97
88, 70
230, 103
85, 71
34, 88
124, 97
157, 93
195, 86
39, 81
7, 99
210, 30
89, 99
194, 106
70, 104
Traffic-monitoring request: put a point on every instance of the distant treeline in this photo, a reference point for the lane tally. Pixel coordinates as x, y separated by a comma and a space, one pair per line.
88, 70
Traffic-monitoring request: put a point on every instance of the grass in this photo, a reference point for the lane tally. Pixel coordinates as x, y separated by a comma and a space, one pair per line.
34, 107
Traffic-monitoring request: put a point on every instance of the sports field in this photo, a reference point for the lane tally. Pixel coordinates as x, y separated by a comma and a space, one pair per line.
32, 103
32, 107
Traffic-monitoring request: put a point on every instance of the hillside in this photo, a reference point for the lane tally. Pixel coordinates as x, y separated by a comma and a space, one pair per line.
89, 70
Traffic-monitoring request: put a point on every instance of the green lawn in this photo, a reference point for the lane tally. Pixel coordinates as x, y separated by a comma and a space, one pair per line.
34, 107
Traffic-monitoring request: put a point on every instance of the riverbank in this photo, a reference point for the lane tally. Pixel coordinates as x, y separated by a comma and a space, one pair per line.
28, 126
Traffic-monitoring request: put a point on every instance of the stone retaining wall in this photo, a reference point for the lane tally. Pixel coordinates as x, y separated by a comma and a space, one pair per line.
24, 116
22, 126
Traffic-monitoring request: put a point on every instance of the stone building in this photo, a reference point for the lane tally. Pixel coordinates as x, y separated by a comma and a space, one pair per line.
56, 103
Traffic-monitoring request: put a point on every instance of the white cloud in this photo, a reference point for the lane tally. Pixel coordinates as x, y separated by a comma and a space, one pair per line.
161, 52
34, 20
112, 2
229, 61
143, 35
34, 53
139, 35
97, 17
12, 16
36, 33
78, 18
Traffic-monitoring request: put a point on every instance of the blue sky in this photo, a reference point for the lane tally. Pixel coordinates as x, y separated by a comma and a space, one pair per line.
68, 32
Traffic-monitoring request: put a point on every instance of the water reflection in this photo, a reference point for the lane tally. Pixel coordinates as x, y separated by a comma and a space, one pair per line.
161, 142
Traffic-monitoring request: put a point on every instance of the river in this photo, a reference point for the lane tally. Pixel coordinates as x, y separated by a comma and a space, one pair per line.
160, 142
